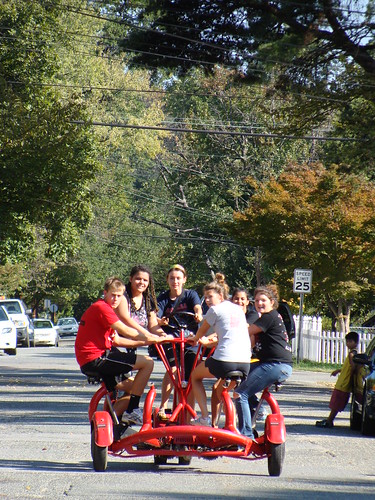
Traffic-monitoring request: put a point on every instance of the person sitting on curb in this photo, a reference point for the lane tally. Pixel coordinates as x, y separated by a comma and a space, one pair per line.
341, 392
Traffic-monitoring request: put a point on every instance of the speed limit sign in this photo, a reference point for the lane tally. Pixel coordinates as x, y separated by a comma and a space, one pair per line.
302, 281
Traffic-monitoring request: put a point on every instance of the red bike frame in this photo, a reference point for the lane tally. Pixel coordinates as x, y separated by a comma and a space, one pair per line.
176, 438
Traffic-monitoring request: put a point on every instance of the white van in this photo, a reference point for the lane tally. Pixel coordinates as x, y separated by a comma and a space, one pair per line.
8, 333
18, 313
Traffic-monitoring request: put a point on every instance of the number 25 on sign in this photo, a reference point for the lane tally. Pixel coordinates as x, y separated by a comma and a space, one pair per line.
302, 281
301, 284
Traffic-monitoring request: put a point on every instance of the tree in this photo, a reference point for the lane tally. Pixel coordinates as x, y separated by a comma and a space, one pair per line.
60, 179
46, 160
113, 241
204, 174
316, 57
320, 219
182, 33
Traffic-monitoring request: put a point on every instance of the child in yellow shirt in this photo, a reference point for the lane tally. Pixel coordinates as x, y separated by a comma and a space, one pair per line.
343, 387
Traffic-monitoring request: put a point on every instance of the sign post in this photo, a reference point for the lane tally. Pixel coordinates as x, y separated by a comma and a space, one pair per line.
302, 284
53, 308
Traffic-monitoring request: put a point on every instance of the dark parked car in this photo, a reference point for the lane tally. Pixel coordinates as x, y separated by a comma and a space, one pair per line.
362, 413
288, 319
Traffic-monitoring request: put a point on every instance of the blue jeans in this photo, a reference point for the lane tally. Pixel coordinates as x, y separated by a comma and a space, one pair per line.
262, 376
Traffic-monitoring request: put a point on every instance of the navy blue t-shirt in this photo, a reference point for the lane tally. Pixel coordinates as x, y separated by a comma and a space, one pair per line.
187, 303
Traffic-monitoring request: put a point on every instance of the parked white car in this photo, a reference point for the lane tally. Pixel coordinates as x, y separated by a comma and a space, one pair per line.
45, 332
18, 313
8, 333
67, 326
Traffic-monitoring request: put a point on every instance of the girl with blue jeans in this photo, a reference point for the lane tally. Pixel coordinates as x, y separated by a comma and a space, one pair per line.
270, 346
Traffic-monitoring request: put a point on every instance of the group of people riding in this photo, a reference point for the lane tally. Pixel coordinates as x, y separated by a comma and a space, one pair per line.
129, 316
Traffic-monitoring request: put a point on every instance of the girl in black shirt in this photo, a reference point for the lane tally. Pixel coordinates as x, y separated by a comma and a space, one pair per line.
270, 346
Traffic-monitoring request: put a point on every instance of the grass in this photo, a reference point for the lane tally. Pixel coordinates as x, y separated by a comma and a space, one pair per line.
314, 366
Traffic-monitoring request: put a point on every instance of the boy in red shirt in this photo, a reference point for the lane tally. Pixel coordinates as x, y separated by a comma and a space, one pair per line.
99, 334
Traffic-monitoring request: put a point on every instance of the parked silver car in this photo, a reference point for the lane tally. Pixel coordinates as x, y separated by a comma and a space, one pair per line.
67, 326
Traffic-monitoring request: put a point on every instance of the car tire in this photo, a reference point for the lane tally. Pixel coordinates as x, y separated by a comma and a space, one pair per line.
11, 352
26, 342
355, 415
368, 425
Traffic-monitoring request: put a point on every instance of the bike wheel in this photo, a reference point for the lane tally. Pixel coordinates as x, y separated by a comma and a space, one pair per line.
99, 454
276, 459
160, 459
184, 460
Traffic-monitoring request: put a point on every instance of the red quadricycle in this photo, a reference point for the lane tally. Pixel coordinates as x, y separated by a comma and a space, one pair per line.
174, 437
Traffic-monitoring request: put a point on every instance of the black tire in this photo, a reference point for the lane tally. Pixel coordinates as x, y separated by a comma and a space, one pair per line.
160, 459
184, 460
368, 425
276, 459
99, 454
355, 416
26, 342
11, 352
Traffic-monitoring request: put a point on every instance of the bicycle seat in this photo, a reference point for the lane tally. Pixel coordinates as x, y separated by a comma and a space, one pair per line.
93, 378
236, 375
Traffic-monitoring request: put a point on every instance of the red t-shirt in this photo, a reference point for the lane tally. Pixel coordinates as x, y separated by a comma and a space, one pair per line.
93, 337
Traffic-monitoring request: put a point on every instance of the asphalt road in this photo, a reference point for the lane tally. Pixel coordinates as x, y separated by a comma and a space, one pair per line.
45, 444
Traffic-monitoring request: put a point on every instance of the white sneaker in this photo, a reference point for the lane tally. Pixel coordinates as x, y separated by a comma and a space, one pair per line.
135, 417
262, 415
202, 421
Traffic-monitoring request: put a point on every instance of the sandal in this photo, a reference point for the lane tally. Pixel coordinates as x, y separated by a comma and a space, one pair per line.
324, 423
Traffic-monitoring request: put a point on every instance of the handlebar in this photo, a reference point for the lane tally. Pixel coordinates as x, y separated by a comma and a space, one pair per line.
176, 340
175, 318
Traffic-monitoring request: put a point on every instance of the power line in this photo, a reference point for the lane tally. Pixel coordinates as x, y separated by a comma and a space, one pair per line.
285, 2
179, 93
83, 12
218, 132
179, 238
184, 59
174, 35
190, 210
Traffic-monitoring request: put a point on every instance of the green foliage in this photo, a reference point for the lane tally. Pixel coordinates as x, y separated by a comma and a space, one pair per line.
316, 58
319, 219
205, 174
45, 159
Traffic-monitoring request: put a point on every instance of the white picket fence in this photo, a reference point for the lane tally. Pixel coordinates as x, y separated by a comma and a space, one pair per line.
322, 346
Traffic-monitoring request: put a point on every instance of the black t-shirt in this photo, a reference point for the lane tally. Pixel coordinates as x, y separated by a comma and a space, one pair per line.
272, 344
251, 316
